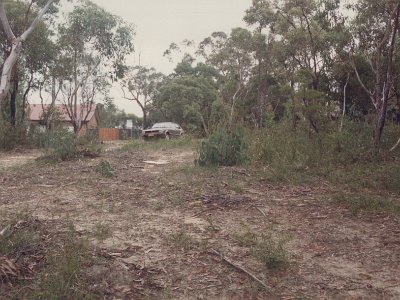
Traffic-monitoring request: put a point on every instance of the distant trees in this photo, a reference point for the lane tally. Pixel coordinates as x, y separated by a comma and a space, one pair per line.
74, 60
376, 30
303, 59
93, 44
141, 85
187, 96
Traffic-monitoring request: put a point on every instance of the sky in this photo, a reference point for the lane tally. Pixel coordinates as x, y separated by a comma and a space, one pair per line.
158, 23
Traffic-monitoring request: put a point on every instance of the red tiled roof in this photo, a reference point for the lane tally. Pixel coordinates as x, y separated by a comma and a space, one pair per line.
36, 112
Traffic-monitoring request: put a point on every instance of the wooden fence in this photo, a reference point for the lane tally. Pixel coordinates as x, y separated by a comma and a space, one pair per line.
108, 134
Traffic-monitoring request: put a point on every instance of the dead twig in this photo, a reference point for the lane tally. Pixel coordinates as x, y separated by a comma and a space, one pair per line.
261, 211
2, 232
240, 268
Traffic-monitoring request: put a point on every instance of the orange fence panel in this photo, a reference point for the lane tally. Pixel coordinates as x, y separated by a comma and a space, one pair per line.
108, 134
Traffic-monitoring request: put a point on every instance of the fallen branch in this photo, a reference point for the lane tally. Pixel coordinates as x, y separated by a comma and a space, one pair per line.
261, 211
395, 146
236, 266
4, 230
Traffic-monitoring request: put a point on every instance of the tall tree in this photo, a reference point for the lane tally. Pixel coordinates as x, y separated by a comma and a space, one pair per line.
187, 96
17, 43
141, 85
376, 37
231, 55
93, 44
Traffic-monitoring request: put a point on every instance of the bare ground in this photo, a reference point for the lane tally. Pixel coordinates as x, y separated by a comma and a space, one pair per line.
163, 218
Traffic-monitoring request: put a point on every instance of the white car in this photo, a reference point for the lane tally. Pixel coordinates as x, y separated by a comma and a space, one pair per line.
166, 130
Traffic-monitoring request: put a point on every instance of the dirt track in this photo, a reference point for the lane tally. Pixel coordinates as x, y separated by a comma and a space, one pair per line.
164, 217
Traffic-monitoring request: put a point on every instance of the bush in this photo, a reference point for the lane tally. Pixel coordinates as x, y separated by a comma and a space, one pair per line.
63, 145
271, 252
282, 147
12, 136
104, 168
60, 144
223, 148
270, 249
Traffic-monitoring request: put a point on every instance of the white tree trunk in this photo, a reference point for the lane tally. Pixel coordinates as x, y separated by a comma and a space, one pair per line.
16, 46
7, 69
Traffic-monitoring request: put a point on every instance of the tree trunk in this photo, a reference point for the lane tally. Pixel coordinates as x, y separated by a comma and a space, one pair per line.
7, 71
16, 46
204, 125
293, 110
13, 95
344, 102
234, 98
144, 124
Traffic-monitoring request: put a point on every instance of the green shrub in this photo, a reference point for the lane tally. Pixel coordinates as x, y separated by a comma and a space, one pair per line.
63, 145
270, 250
368, 203
223, 148
104, 168
12, 136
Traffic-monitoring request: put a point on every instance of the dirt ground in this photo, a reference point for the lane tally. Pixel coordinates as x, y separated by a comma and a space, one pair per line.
163, 218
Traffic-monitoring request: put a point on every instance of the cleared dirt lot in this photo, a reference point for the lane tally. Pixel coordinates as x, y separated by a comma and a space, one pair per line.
156, 221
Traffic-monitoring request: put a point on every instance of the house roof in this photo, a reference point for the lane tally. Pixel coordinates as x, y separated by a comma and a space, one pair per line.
36, 112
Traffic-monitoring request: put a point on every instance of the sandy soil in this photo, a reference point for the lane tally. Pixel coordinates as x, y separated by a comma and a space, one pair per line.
164, 217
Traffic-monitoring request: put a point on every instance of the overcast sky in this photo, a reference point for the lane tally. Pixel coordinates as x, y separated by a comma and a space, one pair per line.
161, 22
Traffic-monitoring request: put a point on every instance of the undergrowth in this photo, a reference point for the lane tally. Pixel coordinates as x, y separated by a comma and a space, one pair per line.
367, 202
223, 148
104, 168
269, 249
49, 266
185, 142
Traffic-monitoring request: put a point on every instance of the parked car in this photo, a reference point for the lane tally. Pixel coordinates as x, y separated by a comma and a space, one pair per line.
166, 130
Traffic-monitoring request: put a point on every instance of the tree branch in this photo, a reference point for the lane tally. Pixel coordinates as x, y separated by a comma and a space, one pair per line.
35, 22
6, 23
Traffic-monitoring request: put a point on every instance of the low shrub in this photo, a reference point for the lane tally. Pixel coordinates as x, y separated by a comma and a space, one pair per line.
223, 148
104, 168
270, 250
60, 144
12, 136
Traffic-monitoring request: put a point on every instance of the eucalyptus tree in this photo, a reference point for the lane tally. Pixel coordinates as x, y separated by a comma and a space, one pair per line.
232, 57
309, 35
188, 95
32, 60
262, 16
375, 30
141, 85
39, 8
93, 46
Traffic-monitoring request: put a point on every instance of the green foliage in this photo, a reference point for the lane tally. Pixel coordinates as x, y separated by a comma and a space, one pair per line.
12, 136
14, 241
62, 277
58, 274
271, 252
104, 168
284, 149
219, 114
101, 232
187, 98
59, 144
223, 148
268, 249
367, 202
182, 240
